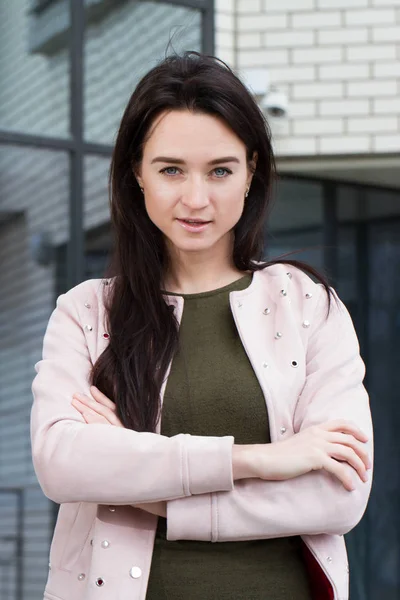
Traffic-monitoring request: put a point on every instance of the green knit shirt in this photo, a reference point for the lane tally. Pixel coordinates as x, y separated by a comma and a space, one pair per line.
212, 390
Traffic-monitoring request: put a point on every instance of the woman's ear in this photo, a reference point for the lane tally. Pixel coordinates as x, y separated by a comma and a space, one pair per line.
252, 168
254, 161
136, 173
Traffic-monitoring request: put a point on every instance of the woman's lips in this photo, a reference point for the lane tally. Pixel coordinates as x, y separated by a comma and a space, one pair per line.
194, 227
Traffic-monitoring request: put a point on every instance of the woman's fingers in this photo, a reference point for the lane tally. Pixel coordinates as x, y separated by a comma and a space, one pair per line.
343, 426
88, 414
349, 440
339, 471
99, 409
102, 398
344, 453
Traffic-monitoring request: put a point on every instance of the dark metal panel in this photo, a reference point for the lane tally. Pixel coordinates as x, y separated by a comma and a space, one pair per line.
208, 28
330, 230
13, 138
196, 4
75, 267
305, 177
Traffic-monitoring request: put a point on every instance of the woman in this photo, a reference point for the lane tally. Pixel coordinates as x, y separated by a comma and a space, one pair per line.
265, 440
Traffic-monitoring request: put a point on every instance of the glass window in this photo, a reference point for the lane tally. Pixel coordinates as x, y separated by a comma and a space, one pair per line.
296, 222
33, 217
121, 49
34, 91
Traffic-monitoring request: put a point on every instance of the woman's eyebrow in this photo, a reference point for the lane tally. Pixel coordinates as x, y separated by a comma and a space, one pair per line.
179, 161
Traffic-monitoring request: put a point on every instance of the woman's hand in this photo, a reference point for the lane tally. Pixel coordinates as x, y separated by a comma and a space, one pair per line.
326, 446
98, 409
102, 410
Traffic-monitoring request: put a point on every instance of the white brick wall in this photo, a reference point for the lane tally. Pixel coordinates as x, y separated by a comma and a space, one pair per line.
339, 63
225, 31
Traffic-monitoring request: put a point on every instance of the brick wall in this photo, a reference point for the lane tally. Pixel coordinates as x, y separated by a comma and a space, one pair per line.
338, 61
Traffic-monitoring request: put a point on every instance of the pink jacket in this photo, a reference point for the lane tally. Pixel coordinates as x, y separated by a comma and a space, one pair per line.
102, 546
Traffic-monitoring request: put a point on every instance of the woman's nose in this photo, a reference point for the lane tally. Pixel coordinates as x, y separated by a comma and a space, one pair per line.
195, 195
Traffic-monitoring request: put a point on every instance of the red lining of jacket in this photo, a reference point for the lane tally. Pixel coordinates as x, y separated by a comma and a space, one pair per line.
321, 588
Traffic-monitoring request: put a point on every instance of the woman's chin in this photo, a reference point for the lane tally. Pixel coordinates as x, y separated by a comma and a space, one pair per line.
195, 244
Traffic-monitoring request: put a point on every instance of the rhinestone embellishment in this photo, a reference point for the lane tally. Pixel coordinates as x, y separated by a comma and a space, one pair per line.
283, 430
266, 311
100, 582
105, 544
81, 576
289, 275
88, 305
278, 335
111, 508
306, 324
283, 293
265, 365
88, 327
295, 363
308, 296
106, 336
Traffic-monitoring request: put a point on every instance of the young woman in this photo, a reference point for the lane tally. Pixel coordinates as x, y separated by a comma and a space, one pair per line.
199, 415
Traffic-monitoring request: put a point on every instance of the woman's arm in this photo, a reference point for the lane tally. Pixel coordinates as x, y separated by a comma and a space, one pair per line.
315, 502
107, 465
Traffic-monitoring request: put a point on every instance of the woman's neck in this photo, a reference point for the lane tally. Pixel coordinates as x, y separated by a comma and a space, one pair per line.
196, 273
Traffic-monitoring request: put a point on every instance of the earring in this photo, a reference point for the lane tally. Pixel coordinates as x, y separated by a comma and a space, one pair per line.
247, 192
142, 190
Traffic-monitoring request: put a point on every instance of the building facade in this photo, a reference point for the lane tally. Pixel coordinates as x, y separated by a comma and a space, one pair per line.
63, 88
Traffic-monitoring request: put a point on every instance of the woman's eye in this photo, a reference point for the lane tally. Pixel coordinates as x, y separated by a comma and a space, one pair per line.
168, 169
221, 171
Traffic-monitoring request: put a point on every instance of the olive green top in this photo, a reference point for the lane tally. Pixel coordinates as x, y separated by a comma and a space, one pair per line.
212, 390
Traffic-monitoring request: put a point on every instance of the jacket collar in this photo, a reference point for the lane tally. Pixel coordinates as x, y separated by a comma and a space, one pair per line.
269, 283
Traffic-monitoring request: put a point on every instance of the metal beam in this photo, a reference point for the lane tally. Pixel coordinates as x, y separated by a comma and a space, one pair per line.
196, 4
27, 140
208, 28
16, 138
98, 149
330, 231
75, 249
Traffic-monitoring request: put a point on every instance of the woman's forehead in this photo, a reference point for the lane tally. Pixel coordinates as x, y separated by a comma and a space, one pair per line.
183, 134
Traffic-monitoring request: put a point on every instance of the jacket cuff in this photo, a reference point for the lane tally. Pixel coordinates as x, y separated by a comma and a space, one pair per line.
208, 464
190, 518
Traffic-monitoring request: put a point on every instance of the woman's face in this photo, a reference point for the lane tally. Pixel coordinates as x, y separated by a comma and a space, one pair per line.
194, 174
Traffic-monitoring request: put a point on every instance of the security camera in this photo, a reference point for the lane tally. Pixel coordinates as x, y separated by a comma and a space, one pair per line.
275, 104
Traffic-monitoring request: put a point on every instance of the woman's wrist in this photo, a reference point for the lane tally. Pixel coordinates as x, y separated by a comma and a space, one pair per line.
243, 461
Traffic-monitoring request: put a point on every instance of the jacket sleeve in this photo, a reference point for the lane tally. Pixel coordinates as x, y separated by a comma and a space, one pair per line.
77, 462
316, 502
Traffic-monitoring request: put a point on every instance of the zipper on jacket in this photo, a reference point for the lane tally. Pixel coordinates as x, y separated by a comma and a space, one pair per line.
269, 412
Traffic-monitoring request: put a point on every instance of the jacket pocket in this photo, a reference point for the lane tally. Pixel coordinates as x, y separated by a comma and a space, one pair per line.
74, 523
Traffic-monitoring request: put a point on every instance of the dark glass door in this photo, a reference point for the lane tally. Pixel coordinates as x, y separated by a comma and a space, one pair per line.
366, 257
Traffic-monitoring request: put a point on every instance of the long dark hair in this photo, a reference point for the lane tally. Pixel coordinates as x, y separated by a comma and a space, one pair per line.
143, 330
